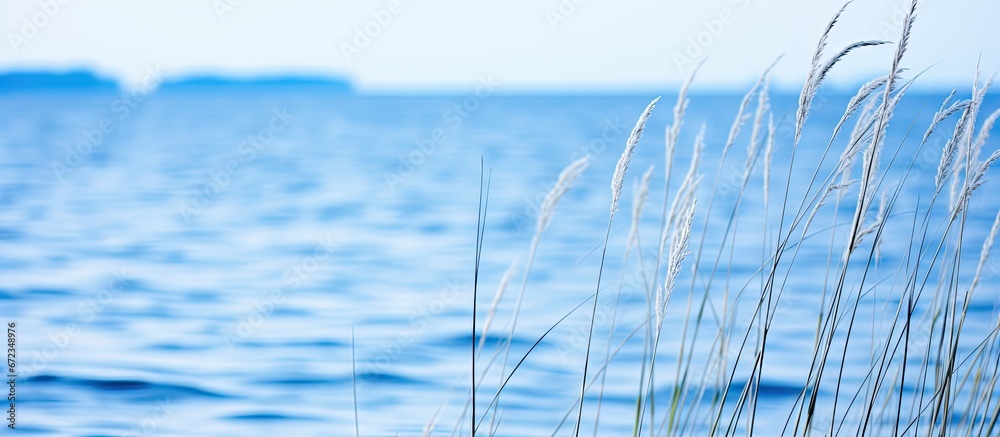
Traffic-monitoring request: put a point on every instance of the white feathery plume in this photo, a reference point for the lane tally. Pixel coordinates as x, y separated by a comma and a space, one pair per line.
974, 180
811, 85
675, 259
863, 93
742, 116
872, 156
985, 253
973, 170
943, 113
841, 55
673, 132
870, 163
639, 201
768, 153
672, 137
659, 306
504, 280
953, 195
984, 133
688, 186
875, 224
619, 177
819, 72
566, 178
879, 219
563, 184
830, 189
860, 134
432, 424
952, 151
763, 107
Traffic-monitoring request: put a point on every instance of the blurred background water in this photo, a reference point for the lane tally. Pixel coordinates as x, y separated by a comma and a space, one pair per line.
192, 261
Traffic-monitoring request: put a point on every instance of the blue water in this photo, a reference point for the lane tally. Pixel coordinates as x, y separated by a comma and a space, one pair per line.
197, 267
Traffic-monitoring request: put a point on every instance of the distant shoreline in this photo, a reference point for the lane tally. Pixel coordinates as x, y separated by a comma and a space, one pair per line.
82, 80
42, 80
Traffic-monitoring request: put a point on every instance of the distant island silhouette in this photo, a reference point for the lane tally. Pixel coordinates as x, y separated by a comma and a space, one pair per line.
212, 81
41, 80
49, 80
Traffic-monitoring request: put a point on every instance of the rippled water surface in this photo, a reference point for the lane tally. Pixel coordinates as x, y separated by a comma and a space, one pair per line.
197, 267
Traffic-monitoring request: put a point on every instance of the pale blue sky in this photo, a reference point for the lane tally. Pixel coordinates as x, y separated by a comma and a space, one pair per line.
522, 44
